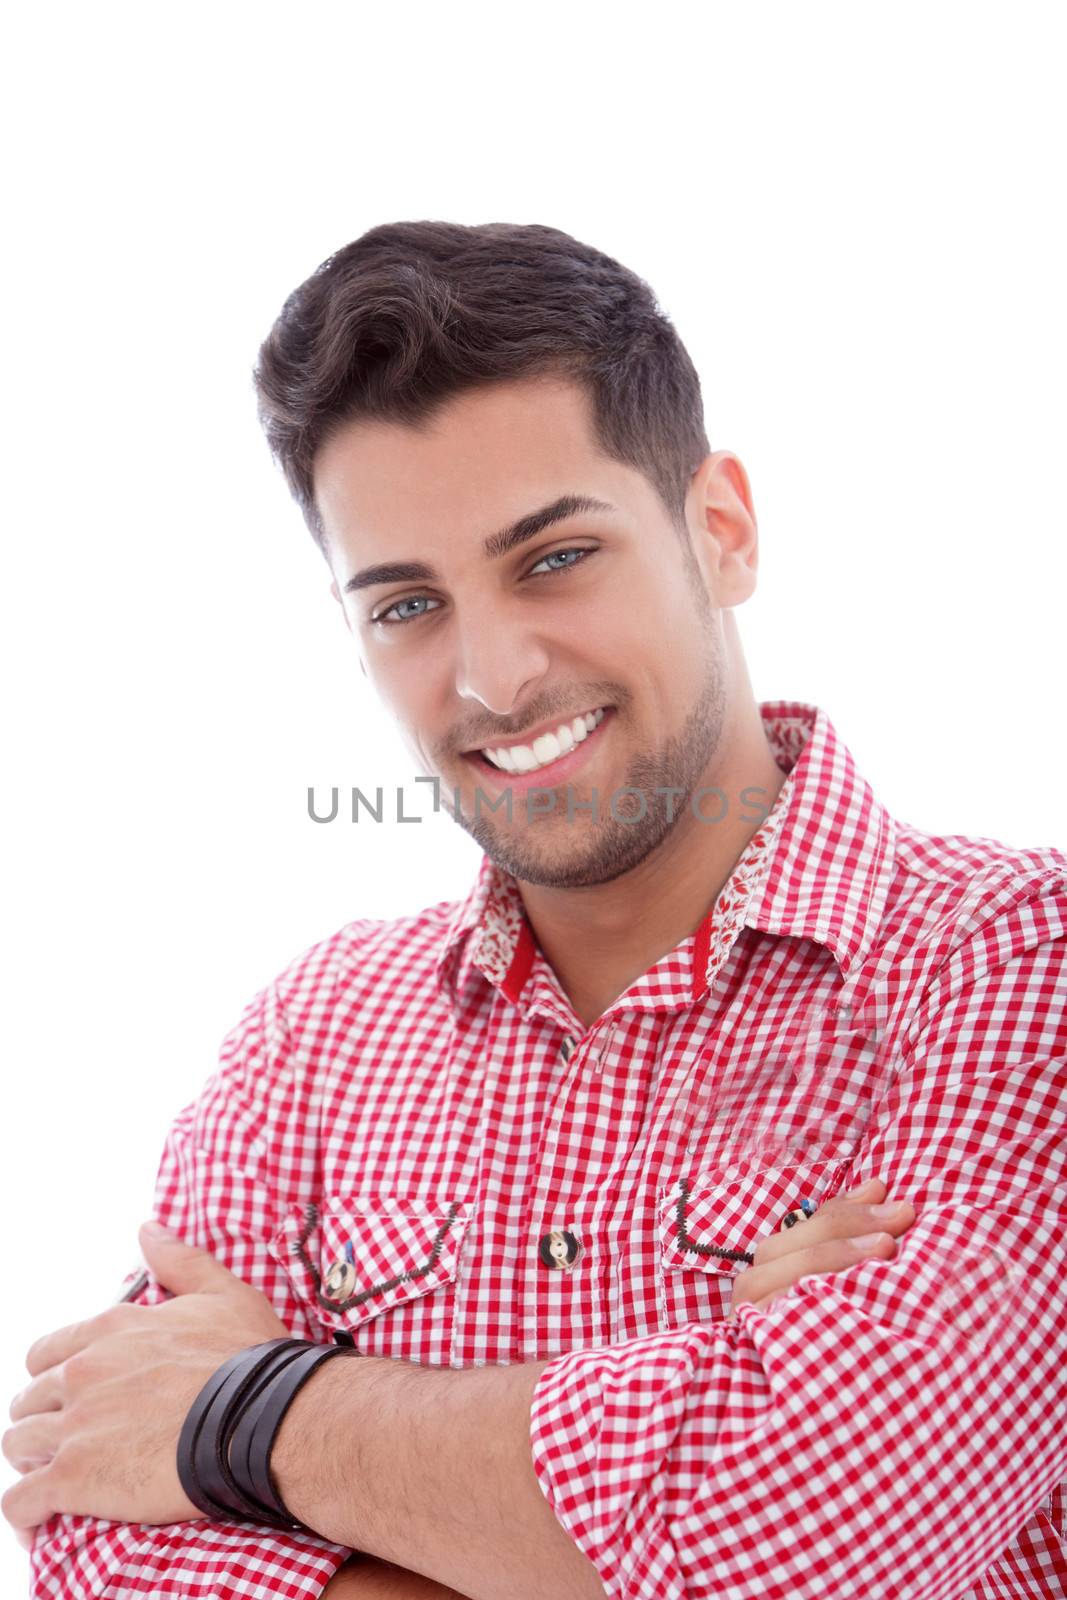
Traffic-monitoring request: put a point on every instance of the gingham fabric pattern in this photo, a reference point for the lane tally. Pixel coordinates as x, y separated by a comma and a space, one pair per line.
405, 1113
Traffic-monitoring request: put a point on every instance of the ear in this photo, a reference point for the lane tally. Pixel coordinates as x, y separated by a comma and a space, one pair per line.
724, 521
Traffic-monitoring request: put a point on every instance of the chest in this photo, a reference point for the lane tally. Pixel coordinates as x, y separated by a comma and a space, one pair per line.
482, 1191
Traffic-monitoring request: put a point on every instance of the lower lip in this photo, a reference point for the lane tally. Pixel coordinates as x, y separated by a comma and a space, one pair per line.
544, 777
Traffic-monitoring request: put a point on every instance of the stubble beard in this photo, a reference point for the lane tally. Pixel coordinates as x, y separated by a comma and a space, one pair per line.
557, 853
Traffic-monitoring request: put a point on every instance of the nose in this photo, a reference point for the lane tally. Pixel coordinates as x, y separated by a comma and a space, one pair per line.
497, 659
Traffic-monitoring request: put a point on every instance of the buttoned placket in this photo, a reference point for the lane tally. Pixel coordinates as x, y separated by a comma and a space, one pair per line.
577, 1055
580, 1055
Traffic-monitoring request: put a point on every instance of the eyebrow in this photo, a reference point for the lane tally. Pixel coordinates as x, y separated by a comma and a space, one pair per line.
495, 546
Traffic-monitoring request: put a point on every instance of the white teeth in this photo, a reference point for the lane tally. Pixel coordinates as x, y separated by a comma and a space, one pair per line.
546, 747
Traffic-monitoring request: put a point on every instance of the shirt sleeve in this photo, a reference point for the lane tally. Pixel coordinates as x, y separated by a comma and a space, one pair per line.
217, 1187
885, 1430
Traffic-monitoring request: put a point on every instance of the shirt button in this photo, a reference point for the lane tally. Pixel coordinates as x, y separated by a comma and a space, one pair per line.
340, 1281
806, 1208
559, 1250
566, 1049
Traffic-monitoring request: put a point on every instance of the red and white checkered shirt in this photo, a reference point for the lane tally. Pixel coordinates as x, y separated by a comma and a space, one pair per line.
402, 1118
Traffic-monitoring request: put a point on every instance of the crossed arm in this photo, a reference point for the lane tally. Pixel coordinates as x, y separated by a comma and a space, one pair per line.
428, 1467
734, 1458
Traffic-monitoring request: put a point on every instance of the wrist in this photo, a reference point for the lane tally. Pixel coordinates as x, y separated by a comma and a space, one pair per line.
313, 1459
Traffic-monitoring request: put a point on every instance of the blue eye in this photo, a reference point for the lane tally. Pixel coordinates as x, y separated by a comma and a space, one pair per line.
420, 599
552, 555
413, 600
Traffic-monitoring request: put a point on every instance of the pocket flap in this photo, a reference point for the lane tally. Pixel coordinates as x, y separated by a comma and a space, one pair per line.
715, 1224
357, 1255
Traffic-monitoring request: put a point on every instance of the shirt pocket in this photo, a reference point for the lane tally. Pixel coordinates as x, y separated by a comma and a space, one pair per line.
353, 1257
710, 1224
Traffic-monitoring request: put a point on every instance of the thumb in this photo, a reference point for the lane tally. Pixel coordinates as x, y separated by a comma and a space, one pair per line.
182, 1268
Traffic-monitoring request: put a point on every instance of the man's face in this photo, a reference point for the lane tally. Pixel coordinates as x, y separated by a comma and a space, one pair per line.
485, 650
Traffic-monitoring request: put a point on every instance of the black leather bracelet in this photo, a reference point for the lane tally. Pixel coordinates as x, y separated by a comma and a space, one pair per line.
237, 1426
200, 1460
210, 1453
261, 1421
225, 1444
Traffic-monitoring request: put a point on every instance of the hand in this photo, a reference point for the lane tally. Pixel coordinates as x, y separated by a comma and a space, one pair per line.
96, 1432
823, 1242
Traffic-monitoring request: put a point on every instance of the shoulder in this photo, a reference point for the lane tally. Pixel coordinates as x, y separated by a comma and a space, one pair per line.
976, 935
317, 1013
960, 860
953, 892
363, 959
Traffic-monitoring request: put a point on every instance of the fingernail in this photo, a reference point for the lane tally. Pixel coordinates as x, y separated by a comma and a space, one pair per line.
866, 1184
868, 1241
891, 1208
157, 1230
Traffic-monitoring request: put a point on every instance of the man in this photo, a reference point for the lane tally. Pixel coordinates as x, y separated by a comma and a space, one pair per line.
518, 1149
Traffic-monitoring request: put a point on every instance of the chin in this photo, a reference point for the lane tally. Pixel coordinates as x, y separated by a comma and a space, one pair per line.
600, 860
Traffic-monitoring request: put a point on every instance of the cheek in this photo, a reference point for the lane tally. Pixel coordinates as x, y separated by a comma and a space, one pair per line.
602, 644
627, 628
418, 714
402, 687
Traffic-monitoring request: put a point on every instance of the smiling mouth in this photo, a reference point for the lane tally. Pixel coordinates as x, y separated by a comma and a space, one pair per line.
519, 760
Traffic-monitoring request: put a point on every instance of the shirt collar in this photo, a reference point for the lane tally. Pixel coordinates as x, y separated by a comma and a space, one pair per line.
829, 875
818, 867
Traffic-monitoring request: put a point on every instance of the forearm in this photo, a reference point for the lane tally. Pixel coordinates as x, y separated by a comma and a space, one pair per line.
366, 1578
430, 1468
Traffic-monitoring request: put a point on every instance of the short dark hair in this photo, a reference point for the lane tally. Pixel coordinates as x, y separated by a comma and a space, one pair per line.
411, 314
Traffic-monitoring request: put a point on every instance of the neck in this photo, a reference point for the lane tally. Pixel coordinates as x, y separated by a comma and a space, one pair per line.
599, 939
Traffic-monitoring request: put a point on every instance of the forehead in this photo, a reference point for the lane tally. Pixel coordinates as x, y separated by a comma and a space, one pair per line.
485, 455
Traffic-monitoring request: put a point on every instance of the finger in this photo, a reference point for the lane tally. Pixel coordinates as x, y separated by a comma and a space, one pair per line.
30, 1500
184, 1268
59, 1346
43, 1394
53, 1348
838, 1218
33, 1442
868, 1183
831, 1255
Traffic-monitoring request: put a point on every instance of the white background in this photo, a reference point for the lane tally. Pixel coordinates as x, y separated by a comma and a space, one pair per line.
853, 214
